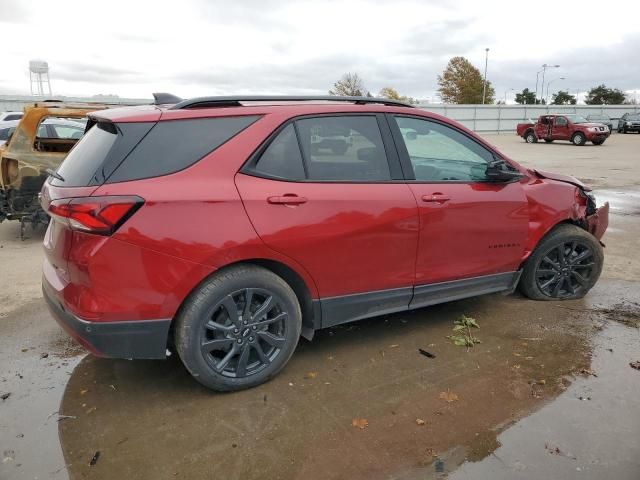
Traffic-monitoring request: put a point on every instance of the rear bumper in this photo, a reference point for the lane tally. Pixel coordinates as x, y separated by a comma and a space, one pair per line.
142, 339
599, 221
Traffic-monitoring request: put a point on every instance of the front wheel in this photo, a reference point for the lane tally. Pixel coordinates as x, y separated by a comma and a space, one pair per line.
565, 265
239, 328
579, 139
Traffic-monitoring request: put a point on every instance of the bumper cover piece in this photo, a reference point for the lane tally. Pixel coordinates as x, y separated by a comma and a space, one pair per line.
599, 221
140, 339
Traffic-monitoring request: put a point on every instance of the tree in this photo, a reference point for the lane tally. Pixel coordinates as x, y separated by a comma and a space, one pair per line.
526, 97
461, 82
563, 98
601, 95
392, 94
349, 85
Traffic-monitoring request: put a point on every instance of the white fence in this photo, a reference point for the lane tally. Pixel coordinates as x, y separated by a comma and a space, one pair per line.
504, 118
479, 118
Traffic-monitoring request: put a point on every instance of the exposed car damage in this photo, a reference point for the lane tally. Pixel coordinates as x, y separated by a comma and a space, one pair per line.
26, 156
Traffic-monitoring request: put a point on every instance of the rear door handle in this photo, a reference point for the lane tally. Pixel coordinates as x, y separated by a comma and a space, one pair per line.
436, 198
287, 199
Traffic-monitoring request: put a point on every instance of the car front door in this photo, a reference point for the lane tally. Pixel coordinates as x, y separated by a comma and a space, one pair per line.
560, 129
470, 228
328, 193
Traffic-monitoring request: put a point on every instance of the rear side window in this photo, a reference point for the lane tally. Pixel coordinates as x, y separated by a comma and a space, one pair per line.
15, 116
282, 158
174, 145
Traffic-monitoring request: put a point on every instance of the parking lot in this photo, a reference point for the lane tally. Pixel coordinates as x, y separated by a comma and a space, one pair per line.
549, 393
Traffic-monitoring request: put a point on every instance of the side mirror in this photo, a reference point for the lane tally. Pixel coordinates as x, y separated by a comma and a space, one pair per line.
499, 171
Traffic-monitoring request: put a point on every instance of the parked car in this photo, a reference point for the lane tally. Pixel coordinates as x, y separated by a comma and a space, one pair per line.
212, 228
6, 130
37, 142
573, 128
8, 116
601, 118
629, 122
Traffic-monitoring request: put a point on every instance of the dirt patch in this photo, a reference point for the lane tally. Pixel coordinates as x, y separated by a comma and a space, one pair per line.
626, 313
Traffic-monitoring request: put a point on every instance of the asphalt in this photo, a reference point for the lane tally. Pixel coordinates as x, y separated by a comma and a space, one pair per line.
549, 393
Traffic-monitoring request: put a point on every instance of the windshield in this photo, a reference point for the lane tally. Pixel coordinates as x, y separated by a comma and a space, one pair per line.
577, 119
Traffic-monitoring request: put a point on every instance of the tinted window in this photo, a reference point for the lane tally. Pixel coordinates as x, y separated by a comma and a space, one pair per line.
67, 131
282, 158
6, 132
174, 145
439, 153
346, 148
87, 156
15, 116
561, 121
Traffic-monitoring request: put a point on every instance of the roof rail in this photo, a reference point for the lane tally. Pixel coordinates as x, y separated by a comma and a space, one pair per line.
235, 101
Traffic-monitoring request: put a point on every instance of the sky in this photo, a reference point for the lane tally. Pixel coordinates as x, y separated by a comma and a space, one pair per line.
199, 47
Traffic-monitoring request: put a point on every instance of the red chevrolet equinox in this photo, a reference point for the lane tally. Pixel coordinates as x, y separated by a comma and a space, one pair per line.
224, 228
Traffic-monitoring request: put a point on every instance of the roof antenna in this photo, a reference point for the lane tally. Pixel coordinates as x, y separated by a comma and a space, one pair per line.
165, 98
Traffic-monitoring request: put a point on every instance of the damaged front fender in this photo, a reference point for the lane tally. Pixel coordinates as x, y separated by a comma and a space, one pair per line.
598, 222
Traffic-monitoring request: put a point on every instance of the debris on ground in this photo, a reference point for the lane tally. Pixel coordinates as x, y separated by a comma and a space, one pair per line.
420, 422
360, 423
44, 355
635, 364
588, 372
426, 354
311, 375
556, 451
626, 313
94, 459
4, 396
448, 396
462, 332
431, 452
61, 417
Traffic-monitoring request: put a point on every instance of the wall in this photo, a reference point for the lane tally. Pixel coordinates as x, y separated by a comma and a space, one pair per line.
504, 118
15, 103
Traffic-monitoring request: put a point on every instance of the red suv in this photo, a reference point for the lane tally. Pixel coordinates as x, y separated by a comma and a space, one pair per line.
226, 228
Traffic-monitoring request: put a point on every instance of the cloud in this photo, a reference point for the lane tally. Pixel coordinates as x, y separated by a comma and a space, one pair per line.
88, 72
12, 11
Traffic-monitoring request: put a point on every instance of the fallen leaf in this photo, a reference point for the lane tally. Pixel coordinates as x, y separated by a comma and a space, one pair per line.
635, 364
542, 382
516, 367
4, 396
430, 451
420, 421
91, 410
94, 459
516, 354
24, 350
82, 392
360, 423
311, 375
395, 345
448, 396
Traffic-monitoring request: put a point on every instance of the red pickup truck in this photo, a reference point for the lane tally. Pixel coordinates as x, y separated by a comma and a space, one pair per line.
573, 128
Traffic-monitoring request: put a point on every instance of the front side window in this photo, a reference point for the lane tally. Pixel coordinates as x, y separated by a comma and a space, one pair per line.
561, 122
441, 154
345, 148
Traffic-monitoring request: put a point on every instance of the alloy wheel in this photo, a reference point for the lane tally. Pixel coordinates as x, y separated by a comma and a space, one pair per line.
244, 332
565, 270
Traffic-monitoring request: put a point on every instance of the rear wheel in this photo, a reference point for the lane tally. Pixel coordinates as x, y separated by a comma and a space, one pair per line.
579, 139
239, 328
565, 265
530, 137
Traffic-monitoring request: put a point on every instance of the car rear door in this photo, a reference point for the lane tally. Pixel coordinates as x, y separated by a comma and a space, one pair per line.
327, 192
469, 227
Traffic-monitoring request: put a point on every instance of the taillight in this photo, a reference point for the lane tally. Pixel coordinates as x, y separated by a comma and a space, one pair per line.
99, 215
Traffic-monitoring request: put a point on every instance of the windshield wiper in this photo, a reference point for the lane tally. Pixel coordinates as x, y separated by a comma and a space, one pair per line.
54, 174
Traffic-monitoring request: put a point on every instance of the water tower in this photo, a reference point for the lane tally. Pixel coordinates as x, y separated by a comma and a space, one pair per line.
39, 73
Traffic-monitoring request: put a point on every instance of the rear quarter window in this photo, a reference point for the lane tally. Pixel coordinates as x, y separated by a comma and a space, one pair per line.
174, 145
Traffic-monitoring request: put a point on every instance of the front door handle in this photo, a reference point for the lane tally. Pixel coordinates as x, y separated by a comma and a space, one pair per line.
287, 199
436, 198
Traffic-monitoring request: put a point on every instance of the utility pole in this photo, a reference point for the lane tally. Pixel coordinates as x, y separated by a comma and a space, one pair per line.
484, 86
544, 70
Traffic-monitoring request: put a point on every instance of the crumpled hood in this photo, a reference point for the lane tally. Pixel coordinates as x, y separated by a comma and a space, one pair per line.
562, 178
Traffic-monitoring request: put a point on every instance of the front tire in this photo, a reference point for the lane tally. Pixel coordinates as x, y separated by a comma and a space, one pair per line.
565, 265
239, 328
579, 139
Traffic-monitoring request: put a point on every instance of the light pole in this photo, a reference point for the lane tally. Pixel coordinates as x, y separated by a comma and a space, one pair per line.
549, 84
484, 85
544, 70
537, 75
505, 94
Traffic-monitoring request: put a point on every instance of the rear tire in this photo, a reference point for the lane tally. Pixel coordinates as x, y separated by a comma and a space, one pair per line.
530, 137
227, 344
578, 139
565, 265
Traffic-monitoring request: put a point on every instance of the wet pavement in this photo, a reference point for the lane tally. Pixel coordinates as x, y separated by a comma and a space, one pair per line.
549, 392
